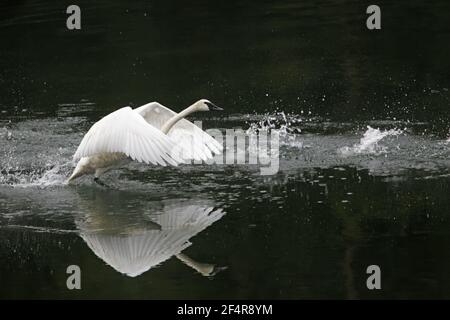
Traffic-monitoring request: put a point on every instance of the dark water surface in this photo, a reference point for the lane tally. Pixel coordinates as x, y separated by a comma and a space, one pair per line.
364, 171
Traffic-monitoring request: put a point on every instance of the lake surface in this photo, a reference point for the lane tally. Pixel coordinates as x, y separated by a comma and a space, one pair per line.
364, 169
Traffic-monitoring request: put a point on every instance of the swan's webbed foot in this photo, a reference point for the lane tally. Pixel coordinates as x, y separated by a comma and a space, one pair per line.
100, 182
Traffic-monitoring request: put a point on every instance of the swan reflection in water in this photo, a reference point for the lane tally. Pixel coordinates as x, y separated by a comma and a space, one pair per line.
133, 240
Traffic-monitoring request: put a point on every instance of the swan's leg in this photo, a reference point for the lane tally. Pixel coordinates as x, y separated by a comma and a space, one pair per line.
100, 182
97, 174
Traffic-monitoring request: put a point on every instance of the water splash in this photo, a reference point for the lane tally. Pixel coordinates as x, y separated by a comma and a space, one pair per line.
40, 177
285, 125
55, 176
37, 152
368, 144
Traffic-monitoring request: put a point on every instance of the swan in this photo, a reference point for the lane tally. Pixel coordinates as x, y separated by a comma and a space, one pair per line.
151, 133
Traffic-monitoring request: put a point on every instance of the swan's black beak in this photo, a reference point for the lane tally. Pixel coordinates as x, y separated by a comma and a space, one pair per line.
213, 107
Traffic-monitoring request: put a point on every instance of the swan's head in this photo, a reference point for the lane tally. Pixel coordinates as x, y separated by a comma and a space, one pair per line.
206, 105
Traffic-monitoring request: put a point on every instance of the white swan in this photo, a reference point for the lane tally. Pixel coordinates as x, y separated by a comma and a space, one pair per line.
151, 133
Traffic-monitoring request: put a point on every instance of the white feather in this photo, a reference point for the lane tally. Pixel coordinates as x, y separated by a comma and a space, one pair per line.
126, 131
194, 143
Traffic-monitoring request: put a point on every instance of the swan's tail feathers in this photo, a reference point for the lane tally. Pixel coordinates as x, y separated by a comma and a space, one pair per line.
79, 170
76, 173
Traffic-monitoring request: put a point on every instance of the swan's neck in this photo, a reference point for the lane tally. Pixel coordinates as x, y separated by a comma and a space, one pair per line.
172, 121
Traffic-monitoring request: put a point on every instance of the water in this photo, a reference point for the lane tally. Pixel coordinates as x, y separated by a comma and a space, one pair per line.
364, 168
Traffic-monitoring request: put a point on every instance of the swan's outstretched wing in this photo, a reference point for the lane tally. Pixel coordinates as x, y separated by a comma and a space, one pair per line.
195, 143
127, 132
